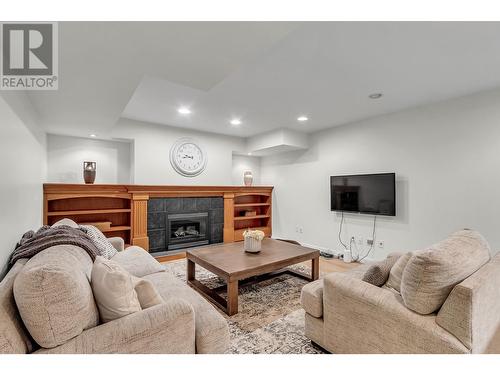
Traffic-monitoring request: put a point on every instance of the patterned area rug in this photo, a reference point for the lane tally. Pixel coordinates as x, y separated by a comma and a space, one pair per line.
270, 319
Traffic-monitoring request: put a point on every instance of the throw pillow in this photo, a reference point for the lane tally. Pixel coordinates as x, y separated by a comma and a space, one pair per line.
106, 249
396, 273
146, 293
54, 296
114, 290
431, 274
377, 273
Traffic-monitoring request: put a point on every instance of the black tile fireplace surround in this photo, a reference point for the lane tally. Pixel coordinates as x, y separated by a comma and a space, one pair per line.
177, 223
186, 230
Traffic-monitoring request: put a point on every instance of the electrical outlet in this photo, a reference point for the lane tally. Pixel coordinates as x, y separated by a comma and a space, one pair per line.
360, 241
380, 244
301, 230
369, 241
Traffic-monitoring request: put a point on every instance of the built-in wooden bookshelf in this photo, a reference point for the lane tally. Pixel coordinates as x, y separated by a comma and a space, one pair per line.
92, 209
126, 207
252, 210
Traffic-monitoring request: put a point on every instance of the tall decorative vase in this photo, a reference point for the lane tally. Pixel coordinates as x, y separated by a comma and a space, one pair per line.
248, 178
89, 168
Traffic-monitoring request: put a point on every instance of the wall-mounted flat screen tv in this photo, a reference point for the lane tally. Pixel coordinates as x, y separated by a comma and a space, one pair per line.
373, 194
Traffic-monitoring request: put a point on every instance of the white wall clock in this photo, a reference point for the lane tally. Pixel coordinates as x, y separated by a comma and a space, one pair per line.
187, 157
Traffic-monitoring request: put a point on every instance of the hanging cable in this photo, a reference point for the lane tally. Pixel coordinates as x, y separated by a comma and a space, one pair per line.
340, 232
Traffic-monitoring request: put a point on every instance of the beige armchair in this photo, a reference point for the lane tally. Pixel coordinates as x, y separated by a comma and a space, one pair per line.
347, 315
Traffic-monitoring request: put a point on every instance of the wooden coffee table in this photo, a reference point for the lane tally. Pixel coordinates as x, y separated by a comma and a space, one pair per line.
231, 263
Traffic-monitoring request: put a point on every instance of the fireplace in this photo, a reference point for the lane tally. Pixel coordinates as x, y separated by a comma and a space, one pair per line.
176, 223
187, 230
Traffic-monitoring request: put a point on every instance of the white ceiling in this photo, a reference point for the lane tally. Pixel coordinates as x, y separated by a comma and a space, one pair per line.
101, 64
267, 74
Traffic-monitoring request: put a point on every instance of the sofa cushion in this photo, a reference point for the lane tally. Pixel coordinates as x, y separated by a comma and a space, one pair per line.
212, 332
311, 298
378, 272
396, 273
431, 274
114, 290
138, 261
54, 296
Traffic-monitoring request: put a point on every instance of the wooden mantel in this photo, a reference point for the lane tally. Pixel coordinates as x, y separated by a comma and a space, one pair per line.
125, 206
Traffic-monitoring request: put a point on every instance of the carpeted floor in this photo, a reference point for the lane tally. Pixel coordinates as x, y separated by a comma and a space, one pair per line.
270, 319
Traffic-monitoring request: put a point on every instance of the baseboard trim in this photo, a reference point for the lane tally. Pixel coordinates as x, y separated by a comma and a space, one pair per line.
169, 258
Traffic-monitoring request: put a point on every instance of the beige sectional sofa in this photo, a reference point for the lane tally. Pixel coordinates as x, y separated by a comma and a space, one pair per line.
344, 314
69, 321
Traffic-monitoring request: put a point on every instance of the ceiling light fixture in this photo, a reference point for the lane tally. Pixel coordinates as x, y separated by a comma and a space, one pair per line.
302, 118
92, 135
235, 121
249, 154
184, 111
376, 95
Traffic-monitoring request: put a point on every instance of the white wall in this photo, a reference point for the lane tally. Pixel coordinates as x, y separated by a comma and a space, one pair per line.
145, 159
447, 160
241, 164
66, 155
152, 143
23, 169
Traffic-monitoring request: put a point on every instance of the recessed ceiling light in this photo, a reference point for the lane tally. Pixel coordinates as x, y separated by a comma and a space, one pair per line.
235, 121
376, 95
92, 135
249, 154
302, 118
184, 111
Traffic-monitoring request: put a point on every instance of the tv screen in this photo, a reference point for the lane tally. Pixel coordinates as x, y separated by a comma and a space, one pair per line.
373, 194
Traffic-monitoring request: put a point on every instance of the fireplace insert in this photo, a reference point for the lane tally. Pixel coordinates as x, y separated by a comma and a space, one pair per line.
187, 230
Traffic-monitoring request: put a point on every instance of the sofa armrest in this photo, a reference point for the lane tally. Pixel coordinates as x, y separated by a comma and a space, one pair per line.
472, 310
362, 318
161, 329
117, 242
